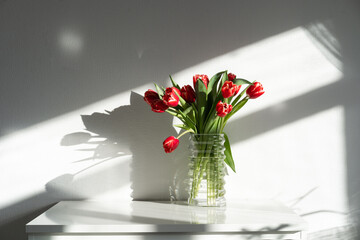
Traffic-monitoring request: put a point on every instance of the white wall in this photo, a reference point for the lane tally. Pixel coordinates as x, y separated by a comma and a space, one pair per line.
63, 61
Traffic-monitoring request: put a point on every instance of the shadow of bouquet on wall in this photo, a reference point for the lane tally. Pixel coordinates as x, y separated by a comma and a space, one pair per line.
137, 131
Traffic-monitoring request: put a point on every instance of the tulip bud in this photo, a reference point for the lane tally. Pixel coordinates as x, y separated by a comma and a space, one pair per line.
170, 97
231, 76
188, 93
223, 109
203, 77
255, 90
170, 144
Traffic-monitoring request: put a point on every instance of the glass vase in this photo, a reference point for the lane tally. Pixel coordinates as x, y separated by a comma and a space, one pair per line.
207, 170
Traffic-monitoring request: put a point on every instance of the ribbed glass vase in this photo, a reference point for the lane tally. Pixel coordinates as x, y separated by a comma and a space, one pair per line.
206, 170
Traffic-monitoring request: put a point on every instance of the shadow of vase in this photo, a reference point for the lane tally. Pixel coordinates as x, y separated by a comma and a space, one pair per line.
134, 129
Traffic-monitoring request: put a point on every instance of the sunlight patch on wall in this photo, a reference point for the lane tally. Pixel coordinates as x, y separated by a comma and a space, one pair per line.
288, 65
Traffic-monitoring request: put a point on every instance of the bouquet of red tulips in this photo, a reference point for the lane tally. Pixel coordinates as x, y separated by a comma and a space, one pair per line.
206, 108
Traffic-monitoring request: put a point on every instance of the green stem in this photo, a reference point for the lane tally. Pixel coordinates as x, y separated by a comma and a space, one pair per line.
184, 133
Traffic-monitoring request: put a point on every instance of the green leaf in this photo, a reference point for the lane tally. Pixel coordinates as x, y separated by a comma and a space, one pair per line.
187, 120
201, 102
223, 79
212, 112
237, 99
240, 81
229, 159
236, 108
214, 96
159, 90
180, 115
213, 81
182, 101
174, 114
174, 83
216, 88
212, 126
188, 109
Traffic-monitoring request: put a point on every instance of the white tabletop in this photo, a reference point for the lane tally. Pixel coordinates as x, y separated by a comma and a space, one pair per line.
243, 216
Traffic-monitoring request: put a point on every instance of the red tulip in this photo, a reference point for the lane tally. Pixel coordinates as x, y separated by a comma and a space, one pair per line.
159, 106
222, 109
170, 144
255, 90
188, 93
203, 77
229, 89
170, 98
150, 96
231, 76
